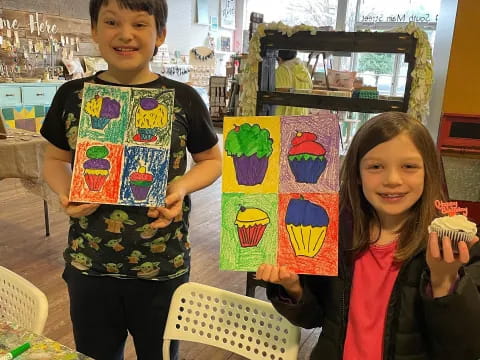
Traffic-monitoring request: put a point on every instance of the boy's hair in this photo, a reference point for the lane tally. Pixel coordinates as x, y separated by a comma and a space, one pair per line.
157, 8
379, 129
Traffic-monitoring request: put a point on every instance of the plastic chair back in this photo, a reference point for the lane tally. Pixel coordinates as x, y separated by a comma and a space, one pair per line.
240, 324
21, 302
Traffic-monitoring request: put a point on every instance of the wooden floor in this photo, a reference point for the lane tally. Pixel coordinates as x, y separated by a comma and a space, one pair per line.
25, 249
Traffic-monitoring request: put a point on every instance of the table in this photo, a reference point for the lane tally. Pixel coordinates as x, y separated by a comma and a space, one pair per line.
42, 348
21, 156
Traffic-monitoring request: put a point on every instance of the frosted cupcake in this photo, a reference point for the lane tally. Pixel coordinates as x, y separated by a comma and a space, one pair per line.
457, 228
251, 224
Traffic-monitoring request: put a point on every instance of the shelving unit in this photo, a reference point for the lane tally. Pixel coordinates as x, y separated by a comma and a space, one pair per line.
336, 43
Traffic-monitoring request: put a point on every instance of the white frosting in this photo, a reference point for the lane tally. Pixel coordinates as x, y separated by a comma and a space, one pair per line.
456, 222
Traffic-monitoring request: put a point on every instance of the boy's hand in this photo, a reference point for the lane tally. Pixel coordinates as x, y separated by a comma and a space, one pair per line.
77, 210
173, 207
282, 276
444, 264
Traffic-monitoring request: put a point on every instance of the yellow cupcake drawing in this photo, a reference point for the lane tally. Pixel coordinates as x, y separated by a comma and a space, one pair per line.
251, 224
149, 117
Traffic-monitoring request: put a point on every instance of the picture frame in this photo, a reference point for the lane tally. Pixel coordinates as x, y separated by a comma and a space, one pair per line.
227, 14
225, 43
214, 23
202, 12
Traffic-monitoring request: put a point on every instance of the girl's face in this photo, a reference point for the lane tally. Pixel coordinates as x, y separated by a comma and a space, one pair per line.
392, 175
126, 39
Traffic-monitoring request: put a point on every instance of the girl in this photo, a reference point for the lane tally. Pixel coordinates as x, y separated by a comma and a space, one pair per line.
397, 295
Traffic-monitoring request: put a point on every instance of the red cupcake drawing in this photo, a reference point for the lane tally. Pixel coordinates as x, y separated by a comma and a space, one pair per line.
306, 158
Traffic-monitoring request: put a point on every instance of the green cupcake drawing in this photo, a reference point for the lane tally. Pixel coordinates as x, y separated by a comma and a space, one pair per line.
250, 146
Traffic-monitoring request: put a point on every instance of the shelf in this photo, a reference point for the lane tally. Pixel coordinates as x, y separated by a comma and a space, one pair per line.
342, 41
329, 102
331, 41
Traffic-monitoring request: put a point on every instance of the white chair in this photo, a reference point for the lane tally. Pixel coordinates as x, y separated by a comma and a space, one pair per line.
21, 302
240, 324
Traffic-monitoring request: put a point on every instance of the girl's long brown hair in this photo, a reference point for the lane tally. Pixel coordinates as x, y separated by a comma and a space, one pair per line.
413, 234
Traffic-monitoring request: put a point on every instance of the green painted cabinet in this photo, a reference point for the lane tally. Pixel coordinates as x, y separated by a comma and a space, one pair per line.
24, 105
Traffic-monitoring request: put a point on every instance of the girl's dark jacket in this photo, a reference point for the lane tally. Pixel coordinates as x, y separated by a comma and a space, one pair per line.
417, 327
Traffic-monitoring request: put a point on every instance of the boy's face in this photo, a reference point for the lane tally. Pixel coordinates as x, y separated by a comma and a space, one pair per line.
126, 39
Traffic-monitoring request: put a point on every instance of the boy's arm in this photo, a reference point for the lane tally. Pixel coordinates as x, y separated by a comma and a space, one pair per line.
58, 174
207, 169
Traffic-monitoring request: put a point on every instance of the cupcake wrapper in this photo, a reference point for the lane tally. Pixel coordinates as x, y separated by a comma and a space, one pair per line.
455, 235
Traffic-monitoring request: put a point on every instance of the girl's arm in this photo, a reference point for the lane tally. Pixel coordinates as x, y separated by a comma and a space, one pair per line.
453, 320
207, 169
58, 174
298, 299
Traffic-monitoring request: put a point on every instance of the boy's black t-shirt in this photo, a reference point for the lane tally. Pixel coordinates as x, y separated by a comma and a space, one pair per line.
117, 240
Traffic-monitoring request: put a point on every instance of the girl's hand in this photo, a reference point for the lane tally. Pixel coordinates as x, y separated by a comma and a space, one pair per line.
173, 207
282, 276
77, 210
444, 264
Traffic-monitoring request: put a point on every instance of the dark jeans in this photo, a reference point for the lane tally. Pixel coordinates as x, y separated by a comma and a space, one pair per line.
103, 309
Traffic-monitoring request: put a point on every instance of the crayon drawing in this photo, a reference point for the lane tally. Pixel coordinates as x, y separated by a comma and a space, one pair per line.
144, 176
309, 158
151, 113
249, 231
124, 136
308, 233
97, 168
251, 154
104, 115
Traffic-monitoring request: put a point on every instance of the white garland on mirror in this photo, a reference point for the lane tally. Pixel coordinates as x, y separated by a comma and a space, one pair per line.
422, 74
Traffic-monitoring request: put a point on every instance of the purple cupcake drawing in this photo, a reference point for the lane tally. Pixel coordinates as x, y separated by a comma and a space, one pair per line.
250, 147
96, 167
102, 110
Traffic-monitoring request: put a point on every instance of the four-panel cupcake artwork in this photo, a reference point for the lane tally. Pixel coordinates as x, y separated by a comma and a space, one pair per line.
280, 193
123, 146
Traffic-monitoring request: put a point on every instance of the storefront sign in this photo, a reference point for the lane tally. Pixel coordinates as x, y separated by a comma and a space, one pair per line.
423, 18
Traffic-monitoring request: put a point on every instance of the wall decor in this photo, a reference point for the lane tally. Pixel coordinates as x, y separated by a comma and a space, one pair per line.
227, 14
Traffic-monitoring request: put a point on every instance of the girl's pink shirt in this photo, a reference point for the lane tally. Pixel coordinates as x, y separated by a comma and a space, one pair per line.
374, 275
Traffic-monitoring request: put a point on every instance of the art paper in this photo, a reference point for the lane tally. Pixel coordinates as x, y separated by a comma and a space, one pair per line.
123, 146
280, 193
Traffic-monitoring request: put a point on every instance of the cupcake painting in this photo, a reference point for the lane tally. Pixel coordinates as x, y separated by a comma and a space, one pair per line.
306, 158
309, 155
280, 185
140, 183
96, 167
123, 145
251, 224
144, 176
307, 225
249, 231
96, 172
104, 113
251, 155
308, 232
102, 110
150, 116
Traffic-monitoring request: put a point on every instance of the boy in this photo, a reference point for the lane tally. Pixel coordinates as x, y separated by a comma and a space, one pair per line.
124, 263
